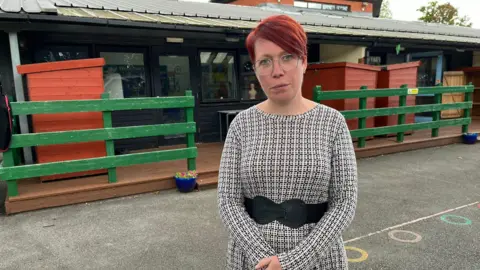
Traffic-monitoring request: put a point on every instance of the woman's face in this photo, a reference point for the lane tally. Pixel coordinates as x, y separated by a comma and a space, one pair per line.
280, 74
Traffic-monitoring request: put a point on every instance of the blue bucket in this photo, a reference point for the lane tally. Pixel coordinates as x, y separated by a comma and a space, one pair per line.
185, 184
470, 138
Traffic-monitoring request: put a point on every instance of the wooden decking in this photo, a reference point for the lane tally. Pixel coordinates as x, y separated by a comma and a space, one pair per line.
159, 176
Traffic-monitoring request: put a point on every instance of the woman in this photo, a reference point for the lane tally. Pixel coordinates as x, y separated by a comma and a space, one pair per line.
288, 178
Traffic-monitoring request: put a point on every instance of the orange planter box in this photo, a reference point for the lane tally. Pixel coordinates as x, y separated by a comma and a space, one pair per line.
394, 76
66, 80
342, 76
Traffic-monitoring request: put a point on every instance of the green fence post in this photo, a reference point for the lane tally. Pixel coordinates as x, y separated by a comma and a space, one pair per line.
16, 151
467, 112
12, 158
436, 114
9, 161
362, 121
317, 91
191, 163
402, 102
109, 144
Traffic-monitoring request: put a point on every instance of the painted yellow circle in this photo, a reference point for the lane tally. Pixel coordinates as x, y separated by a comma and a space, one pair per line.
359, 250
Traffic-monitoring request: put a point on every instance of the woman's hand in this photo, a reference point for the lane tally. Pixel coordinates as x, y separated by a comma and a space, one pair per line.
271, 262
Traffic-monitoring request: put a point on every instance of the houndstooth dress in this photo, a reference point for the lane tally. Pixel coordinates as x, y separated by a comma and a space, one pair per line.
309, 156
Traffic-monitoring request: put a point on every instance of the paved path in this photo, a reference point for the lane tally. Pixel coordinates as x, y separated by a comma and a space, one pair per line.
409, 191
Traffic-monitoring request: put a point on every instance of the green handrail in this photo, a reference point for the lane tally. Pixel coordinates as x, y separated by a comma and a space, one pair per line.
362, 113
11, 172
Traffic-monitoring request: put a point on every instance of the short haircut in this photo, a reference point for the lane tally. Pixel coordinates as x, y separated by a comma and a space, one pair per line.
282, 30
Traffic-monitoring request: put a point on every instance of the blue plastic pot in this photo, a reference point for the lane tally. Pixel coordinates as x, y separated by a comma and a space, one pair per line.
470, 138
185, 184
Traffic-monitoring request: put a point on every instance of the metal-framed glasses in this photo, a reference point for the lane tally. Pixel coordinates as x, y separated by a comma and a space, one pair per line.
287, 62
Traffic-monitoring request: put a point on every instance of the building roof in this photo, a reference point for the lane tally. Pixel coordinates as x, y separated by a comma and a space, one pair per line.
241, 17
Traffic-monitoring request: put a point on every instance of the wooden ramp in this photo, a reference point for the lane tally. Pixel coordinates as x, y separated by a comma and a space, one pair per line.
153, 177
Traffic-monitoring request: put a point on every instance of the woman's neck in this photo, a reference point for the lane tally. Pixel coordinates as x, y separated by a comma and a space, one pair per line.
296, 106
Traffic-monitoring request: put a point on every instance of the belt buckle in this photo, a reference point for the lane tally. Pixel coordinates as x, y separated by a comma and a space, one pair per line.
295, 213
265, 210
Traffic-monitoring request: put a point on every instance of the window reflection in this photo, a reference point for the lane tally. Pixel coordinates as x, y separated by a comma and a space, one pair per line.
124, 74
174, 80
61, 53
249, 85
218, 75
174, 75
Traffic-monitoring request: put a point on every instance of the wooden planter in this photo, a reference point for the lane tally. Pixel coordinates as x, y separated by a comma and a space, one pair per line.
394, 76
342, 76
66, 80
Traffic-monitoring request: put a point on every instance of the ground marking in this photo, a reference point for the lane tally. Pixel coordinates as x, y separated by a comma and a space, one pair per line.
417, 239
446, 218
363, 253
410, 222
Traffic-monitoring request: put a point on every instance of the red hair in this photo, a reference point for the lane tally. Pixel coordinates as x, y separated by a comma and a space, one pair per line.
282, 30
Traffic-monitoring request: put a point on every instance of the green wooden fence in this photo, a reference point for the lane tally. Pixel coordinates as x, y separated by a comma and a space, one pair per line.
11, 172
362, 113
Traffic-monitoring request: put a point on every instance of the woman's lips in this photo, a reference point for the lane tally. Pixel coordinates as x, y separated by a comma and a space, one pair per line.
279, 86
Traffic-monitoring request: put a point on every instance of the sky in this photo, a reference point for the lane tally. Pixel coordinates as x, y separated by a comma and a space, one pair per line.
407, 9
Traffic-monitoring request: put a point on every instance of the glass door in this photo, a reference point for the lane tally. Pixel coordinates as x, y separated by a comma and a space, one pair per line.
430, 73
172, 73
127, 76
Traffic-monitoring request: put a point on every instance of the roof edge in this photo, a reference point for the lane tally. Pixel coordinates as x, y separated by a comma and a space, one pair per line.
32, 18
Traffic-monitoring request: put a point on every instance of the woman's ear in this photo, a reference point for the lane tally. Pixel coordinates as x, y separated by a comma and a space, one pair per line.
305, 64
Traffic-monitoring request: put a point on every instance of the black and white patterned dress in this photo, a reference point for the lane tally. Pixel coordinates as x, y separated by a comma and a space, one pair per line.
309, 156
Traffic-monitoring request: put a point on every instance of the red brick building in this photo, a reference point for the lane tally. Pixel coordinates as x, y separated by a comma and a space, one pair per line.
371, 7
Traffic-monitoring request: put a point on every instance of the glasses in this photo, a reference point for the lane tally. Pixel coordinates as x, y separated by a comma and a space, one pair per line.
265, 66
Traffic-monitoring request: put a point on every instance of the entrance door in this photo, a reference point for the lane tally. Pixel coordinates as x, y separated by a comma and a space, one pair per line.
431, 69
430, 73
126, 75
173, 74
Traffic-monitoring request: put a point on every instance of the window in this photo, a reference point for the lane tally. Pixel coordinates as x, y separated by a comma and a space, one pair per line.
124, 74
218, 76
315, 5
328, 7
300, 4
174, 75
61, 53
249, 86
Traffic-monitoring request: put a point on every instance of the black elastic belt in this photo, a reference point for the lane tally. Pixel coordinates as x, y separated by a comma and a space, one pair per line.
292, 213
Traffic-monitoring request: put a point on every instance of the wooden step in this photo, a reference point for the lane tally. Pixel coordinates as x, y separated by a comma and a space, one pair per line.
207, 180
408, 145
34, 195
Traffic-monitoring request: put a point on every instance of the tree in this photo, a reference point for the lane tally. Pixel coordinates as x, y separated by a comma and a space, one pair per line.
443, 14
385, 11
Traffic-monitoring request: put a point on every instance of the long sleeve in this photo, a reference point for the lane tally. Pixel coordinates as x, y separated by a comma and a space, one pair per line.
343, 188
230, 201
